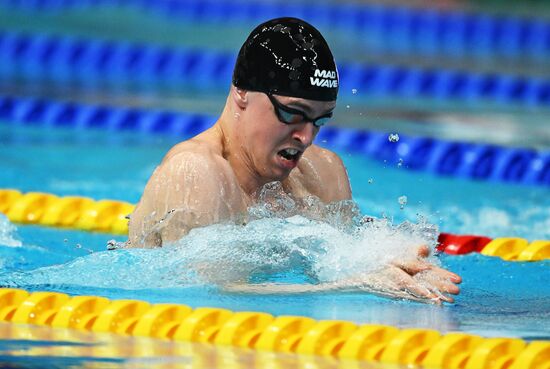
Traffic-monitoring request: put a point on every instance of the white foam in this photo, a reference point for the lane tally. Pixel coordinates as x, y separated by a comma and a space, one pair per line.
329, 245
8, 233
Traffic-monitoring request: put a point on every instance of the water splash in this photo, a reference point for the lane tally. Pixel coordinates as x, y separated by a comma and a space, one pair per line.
8, 233
223, 253
328, 243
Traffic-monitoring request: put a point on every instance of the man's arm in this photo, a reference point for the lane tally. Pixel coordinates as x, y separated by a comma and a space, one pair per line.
412, 280
351, 286
186, 191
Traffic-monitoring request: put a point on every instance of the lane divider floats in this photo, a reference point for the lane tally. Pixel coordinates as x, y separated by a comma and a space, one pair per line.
91, 61
483, 162
70, 211
265, 332
507, 248
399, 29
441, 157
110, 216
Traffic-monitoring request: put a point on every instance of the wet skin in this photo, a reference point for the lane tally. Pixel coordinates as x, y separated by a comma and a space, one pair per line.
215, 176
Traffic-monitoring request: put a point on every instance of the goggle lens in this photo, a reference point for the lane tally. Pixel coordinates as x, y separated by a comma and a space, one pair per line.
289, 116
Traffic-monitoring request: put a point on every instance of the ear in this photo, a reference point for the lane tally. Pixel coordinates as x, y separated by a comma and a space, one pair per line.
240, 97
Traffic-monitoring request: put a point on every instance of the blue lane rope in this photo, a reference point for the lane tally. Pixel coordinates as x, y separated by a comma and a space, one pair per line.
380, 27
46, 113
63, 59
441, 157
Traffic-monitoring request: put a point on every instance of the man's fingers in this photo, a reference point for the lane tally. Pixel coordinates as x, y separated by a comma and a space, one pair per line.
437, 285
445, 274
418, 290
423, 251
413, 266
406, 283
445, 298
415, 280
445, 287
450, 288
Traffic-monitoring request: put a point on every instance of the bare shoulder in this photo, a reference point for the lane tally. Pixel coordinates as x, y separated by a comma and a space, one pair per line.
323, 173
193, 150
195, 183
196, 165
198, 157
323, 157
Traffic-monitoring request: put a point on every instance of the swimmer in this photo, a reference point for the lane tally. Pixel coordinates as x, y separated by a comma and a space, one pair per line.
284, 89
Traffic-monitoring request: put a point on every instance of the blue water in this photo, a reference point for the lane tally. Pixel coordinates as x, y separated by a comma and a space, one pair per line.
498, 298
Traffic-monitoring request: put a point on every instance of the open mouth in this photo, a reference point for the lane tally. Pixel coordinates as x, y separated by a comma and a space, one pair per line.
290, 154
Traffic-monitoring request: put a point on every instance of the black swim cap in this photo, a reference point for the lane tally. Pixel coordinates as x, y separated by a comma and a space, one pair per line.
288, 57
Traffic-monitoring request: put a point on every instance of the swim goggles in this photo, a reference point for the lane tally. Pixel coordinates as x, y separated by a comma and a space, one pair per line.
289, 115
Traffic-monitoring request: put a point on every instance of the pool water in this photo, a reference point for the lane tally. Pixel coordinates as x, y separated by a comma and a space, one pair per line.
498, 298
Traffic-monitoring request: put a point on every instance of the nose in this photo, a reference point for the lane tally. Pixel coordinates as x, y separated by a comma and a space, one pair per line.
304, 133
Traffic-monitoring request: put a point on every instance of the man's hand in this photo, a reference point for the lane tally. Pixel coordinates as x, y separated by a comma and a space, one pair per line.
420, 275
413, 279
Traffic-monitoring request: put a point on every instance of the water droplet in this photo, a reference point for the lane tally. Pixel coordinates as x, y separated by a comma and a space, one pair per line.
354, 91
370, 180
402, 201
78, 246
112, 245
347, 106
65, 240
393, 137
400, 163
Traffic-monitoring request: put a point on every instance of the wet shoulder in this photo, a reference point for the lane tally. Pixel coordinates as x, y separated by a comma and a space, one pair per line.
323, 174
320, 160
201, 147
196, 156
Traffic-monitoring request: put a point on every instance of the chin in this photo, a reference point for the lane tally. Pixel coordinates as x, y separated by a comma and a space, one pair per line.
279, 177
278, 174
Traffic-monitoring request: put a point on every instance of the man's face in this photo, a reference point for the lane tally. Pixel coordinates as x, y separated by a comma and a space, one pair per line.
274, 147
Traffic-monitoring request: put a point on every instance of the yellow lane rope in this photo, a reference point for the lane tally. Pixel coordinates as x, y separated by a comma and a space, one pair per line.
69, 211
265, 332
110, 216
